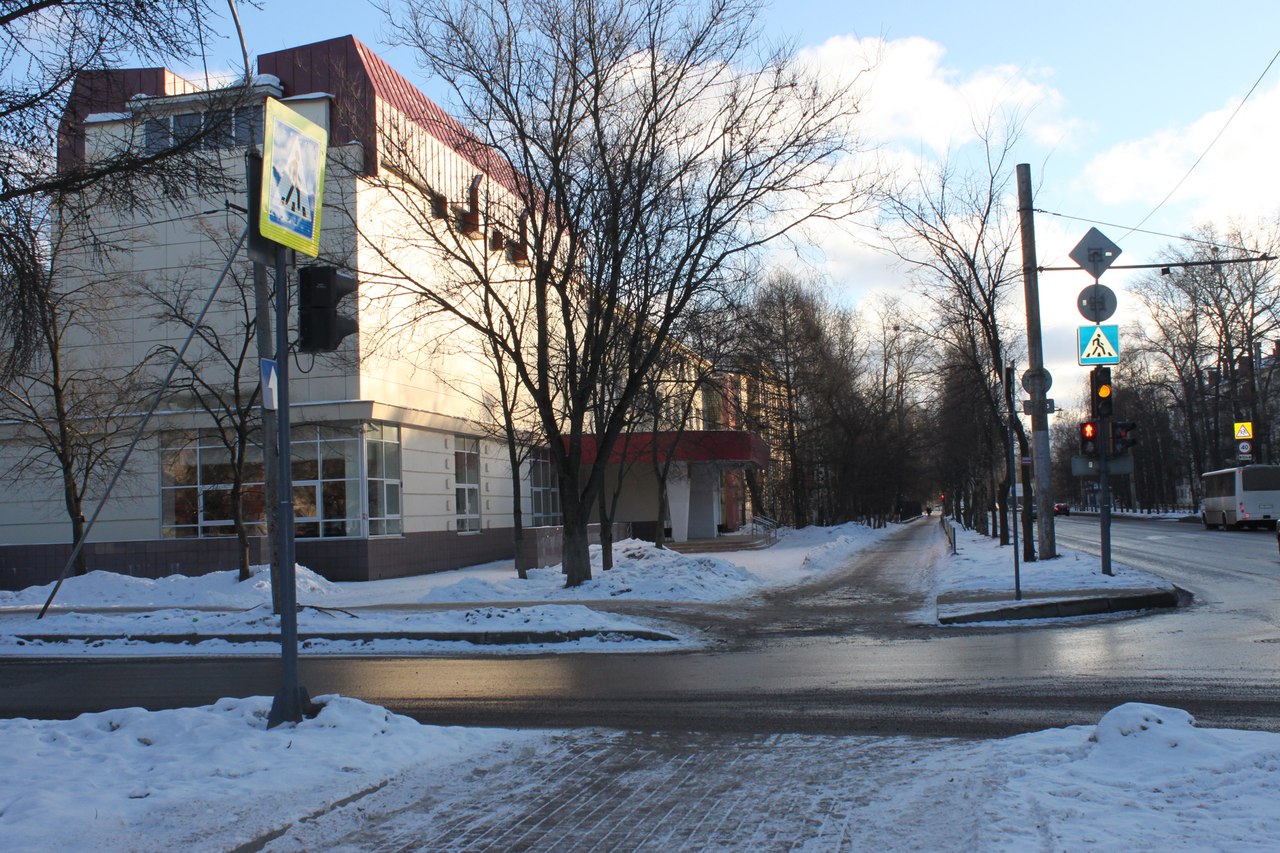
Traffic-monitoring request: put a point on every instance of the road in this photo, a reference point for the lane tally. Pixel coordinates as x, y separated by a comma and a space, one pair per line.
834, 658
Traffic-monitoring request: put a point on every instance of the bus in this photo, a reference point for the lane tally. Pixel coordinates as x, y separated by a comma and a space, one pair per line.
1248, 496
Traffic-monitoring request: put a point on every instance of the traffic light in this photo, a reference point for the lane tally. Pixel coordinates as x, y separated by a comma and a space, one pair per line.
1101, 393
1088, 438
320, 327
1122, 437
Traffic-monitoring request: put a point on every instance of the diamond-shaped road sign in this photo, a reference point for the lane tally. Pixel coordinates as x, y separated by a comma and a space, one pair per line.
1095, 253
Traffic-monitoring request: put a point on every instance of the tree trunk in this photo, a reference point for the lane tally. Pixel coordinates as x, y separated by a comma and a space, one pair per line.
75, 511
606, 533
576, 544
517, 512
77, 534
660, 532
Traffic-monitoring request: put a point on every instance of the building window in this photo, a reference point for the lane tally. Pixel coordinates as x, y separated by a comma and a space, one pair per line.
155, 135
325, 463
186, 126
326, 469
195, 489
225, 128
466, 459
382, 453
544, 490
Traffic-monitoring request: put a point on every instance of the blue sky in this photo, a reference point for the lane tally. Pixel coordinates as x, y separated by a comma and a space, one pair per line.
1121, 99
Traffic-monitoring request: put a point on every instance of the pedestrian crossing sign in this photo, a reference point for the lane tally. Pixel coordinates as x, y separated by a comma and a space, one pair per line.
1099, 345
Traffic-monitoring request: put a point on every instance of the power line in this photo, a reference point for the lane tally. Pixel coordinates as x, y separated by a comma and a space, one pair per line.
1137, 230
1204, 153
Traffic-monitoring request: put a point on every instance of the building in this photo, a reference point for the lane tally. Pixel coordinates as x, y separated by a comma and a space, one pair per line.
398, 465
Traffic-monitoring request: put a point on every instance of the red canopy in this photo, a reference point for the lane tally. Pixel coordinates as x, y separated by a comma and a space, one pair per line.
726, 447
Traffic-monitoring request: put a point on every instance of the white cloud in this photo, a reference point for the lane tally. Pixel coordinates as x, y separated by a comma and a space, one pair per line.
1237, 177
911, 97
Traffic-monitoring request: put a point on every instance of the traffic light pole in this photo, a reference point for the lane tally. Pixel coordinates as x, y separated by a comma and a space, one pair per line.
292, 699
1104, 493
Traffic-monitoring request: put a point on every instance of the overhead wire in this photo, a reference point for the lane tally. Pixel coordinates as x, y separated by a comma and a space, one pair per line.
1136, 230
1208, 147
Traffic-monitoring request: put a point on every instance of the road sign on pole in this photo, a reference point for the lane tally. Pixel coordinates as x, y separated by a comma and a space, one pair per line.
1097, 303
1098, 345
1095, 253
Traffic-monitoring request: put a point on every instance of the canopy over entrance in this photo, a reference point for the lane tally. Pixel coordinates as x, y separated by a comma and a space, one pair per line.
728, 448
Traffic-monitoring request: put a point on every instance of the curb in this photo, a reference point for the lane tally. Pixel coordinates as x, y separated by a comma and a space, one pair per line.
1176, 597
494, 638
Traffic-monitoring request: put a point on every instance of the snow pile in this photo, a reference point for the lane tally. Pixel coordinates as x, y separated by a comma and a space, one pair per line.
209, 778
983, 565
216, 589
1144, 778
640, 571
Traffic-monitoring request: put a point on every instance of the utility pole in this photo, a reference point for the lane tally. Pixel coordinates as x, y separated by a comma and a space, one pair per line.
1037, 379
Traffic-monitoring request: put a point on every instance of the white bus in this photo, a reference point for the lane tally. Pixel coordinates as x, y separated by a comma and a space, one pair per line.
1241, 497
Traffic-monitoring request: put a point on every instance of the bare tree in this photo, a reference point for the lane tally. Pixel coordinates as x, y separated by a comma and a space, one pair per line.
53, 58
72, 416
642, 151
219, 376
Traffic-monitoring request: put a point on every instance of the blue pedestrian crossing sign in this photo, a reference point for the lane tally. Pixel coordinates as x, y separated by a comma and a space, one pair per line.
1099, 345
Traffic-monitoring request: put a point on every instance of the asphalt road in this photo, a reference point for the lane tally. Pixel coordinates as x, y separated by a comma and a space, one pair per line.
834, 658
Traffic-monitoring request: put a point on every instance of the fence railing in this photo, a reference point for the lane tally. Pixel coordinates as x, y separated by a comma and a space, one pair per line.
949, 529
765, 528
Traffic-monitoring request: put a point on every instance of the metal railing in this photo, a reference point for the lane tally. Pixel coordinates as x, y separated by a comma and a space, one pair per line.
949, 529
764, 527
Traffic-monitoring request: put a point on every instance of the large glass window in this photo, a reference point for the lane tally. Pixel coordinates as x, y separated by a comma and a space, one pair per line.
382, 452
328, 502
196, 473
544, 490
326, 481
466, 458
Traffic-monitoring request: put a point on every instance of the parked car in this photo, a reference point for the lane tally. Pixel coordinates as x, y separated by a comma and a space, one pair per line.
1062, 509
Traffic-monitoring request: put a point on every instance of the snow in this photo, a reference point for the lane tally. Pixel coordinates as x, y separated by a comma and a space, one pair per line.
100, 609
215, 778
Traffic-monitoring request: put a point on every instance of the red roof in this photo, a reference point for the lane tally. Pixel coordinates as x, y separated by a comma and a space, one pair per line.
723, 446
352, 72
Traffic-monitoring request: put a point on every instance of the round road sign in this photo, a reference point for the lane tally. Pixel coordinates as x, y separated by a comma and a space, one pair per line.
1244, 448
1097, 302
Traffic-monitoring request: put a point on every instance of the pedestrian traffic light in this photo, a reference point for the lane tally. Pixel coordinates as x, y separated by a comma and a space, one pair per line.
1101, 393
1122, 437
320, 327
1088, 438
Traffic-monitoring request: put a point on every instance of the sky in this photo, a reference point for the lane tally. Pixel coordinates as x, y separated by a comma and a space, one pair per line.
215, 778
1120, 101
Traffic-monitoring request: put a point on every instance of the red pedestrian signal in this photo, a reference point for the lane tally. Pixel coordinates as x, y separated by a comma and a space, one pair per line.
1089, 438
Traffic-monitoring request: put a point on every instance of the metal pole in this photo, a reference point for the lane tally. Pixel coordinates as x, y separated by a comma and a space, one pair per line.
266, 350
1013, 468
290, 700
261, 253
1104, 491
1035, 351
